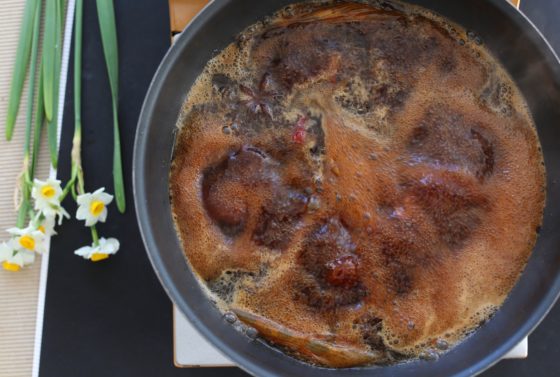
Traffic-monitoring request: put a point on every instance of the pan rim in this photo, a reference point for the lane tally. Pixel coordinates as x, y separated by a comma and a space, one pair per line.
141, 196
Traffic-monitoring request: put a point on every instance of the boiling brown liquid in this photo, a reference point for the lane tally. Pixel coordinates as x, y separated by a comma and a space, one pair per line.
361, 183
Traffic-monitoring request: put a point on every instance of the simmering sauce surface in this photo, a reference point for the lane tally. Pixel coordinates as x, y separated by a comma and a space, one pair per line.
360, 183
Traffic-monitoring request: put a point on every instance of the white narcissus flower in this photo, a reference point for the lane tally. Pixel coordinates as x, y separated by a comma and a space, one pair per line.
13, 260
93, 207
102, 251
46, 193
47, 226
47, 198
29, 239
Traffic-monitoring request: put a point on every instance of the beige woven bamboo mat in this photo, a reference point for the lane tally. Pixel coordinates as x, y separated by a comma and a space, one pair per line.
18, 291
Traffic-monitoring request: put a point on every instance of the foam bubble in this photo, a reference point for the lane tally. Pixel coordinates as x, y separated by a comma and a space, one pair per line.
412, 139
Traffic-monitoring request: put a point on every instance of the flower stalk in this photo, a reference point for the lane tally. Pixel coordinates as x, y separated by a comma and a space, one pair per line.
76, 183
40, 201
92, 207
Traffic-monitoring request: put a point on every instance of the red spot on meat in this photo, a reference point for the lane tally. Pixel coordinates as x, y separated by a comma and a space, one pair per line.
298, 136
343, 271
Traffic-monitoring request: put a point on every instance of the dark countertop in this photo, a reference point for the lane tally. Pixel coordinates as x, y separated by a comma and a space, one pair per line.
114, 319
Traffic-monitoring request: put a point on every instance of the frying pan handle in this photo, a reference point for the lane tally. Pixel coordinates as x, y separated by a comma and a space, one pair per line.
516, 3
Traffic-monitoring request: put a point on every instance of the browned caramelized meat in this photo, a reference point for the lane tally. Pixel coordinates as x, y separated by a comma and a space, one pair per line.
330, 276
222, 185
444, 137
360, 183
276, 223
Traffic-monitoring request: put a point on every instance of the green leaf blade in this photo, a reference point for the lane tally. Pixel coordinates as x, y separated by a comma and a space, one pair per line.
52, 138
20, 68
49, 57
78, 32
54, 79
32, 81
118, 180
108, 28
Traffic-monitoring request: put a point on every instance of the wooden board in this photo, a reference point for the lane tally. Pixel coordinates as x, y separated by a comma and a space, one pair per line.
183, 11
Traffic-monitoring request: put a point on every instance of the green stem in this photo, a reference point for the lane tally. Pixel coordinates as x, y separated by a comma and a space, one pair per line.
22, 214
94, 236
74, 193
67, 189
36, 218
81, 188
39, 119
77, 171
33, 218
78, 26
77, 175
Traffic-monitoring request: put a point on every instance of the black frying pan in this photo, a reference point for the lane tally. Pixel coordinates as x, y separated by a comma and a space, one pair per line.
513, 40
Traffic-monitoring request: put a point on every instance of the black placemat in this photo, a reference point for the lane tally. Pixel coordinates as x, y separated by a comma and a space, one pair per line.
113, 318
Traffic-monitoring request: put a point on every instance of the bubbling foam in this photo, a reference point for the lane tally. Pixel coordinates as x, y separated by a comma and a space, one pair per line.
358, 182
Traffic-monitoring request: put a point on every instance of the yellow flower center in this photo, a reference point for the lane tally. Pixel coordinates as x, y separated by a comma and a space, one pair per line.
96, 207
27, 242
96, 257
42, 229
48, 191
11, 266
